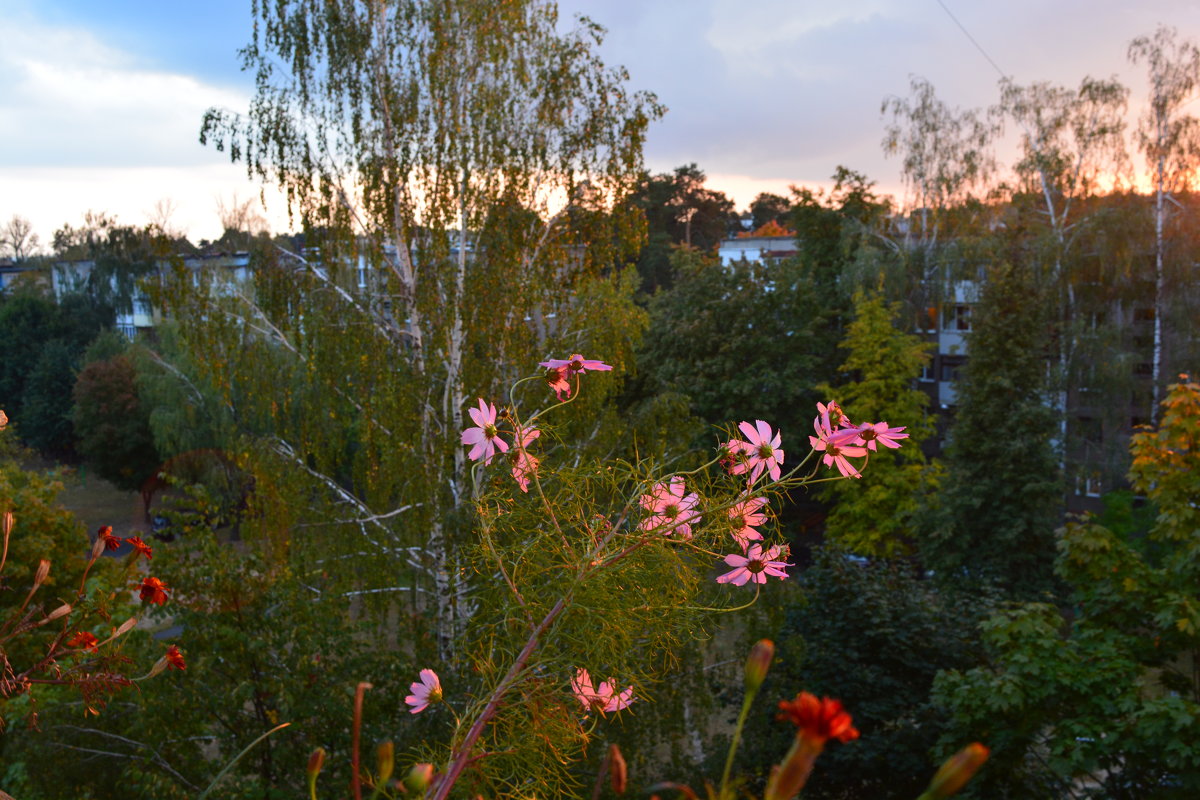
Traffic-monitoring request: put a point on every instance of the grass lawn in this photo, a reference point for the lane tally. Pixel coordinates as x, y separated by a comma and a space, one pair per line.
95, 501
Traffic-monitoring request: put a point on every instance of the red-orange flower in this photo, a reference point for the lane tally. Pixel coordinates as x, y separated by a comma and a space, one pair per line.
154, 591
110, 542
822, 719
137, 544
83, 640
175, 658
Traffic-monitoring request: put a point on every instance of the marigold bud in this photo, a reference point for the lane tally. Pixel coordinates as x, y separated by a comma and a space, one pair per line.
419, 777
158, 667
42, 571
757, 664
315, 762
62, 610
788, 777
958, 769
385, 756
618, 771
125, 628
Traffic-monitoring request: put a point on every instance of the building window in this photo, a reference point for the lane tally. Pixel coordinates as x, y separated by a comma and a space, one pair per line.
1089, 485
128, 329
950, 370
927, 373
1143, 314
957, 318
142, 306
1143, 369
927, 319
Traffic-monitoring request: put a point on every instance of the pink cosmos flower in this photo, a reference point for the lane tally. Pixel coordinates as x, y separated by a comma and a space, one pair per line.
755, 565
557, 380
670, 509
870, 433
576, 363
837, 445
832, 415
760, 453
605, 698
426, 691
484, 439
744, 516
524, 465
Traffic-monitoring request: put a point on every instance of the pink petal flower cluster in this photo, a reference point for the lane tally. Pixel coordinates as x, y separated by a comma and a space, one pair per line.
832, 415
837, 446
604, 698
524, 464
425, 692
839, 438
744, 516
560, 369
485, 438
755, 565
557, 380
576, 363
670, 509
760, 452
870, 433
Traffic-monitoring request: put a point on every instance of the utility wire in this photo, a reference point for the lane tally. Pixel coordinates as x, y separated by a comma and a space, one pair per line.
967, 33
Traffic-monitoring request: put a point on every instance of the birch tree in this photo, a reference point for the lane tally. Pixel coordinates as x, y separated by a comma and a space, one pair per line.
1071, 142
946, 153
455, 165
1169, 139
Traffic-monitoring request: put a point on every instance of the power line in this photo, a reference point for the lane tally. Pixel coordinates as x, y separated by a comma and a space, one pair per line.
967, 33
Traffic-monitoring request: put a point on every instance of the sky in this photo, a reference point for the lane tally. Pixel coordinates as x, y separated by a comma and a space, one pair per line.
101, 101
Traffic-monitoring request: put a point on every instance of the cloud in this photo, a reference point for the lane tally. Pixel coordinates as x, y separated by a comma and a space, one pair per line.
53, 196
69, 99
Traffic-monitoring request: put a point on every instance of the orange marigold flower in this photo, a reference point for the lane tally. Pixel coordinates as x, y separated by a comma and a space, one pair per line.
137, 544
83, 640
154, 591
821, 720
110, 542
175, 658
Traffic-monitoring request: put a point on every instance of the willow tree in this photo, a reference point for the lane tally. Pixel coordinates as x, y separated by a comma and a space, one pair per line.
457, 167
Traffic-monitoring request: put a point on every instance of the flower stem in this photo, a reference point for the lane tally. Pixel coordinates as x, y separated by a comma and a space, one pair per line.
737, 738
463, 754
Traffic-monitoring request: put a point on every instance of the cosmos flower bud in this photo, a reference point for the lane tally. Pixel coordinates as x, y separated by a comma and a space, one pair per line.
385, 756
757, 664
9, 521
618, 772
419, 777
958, 769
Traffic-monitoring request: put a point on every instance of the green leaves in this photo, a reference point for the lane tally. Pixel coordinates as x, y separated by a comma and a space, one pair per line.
877, 514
